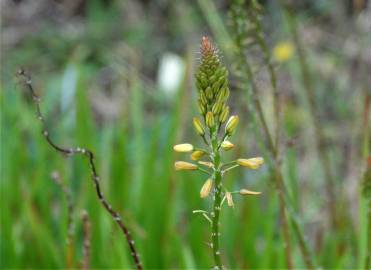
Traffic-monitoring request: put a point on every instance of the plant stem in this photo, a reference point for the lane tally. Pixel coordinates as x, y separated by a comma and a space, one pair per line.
320, 140
217, 201
286, 214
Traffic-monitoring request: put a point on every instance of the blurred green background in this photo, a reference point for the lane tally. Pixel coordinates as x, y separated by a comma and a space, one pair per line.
117, 77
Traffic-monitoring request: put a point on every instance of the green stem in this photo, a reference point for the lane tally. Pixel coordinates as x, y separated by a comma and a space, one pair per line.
217, 202
320, 140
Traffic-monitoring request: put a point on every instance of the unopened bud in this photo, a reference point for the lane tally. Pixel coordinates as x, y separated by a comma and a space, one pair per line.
210, 119
209, 93
182, 165
224, 114
201, 107
251, 163
198, 126
227, 145
206, 188
231, 125
249, 192
217, 107
196, 155
184, 147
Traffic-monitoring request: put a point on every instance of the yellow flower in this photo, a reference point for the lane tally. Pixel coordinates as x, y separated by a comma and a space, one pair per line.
251, 163
182, 165
206, 188
249, 192
184, 147
196, 155
227, 145
283, 51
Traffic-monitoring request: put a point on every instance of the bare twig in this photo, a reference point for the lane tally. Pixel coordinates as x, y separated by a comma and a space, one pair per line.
94, 173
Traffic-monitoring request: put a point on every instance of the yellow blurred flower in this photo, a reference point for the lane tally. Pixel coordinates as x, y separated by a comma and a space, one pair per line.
283, 51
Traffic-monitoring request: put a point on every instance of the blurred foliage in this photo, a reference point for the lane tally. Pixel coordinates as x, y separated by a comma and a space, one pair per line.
95, 65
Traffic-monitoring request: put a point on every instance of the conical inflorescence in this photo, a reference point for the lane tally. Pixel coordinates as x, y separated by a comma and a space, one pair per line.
212, 86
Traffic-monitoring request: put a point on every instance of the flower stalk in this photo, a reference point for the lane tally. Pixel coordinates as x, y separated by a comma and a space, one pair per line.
213, 90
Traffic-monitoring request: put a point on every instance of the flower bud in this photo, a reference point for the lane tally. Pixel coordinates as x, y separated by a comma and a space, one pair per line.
217, 107
249, 192
216, 86
206, 188
184, 147
210, 119
231, 125
223, 94
201, 107
209, 93
224, 114
203, 98
198, 126
196, 155
227, 145
182, 165
228, 195
251, 163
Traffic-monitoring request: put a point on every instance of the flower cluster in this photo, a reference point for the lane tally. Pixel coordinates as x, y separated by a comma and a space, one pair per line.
213, 93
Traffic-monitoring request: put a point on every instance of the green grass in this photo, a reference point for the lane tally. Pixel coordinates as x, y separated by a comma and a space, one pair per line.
135, 157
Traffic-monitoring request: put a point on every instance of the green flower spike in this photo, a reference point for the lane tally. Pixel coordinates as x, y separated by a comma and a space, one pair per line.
213, 94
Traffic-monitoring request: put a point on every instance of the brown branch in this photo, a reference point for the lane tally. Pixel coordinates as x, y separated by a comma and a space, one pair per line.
94, 173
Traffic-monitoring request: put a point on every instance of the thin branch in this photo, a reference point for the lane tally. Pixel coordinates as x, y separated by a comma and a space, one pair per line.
94, 173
